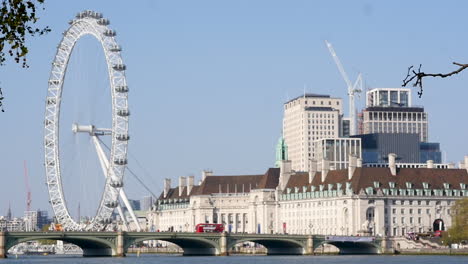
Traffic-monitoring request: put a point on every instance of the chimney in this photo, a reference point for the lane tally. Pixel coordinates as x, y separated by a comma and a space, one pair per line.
285, 174
359, 163
182, 183
430, 164
392, 163
352, 166
466, 163
325, 169
167, 186
206, 173
190, 181
312, 170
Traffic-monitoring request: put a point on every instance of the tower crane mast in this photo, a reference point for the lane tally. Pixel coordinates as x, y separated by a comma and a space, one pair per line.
352, 89
28, 189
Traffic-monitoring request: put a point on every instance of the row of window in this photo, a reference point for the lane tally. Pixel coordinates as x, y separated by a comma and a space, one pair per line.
314, 102
321, 127
411, 202
411, 221
312, 115
389, 116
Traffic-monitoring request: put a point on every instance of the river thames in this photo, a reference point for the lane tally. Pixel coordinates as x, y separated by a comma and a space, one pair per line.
177, 259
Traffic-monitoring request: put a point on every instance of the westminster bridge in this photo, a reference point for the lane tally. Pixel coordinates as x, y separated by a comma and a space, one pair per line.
214, 244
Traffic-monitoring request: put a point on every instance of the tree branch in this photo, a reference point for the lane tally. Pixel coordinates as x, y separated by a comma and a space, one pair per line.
417, 76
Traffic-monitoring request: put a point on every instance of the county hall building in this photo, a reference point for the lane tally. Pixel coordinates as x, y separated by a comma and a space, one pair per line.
387, 201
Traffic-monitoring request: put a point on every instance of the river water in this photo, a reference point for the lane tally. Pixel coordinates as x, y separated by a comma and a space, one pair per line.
169, 259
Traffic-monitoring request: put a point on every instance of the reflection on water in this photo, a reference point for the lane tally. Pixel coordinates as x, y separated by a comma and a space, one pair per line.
177, 259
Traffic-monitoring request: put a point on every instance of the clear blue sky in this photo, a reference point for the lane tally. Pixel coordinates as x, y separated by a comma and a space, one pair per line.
208, 79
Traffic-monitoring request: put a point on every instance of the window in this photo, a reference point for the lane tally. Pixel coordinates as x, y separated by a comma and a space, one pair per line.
428, 211
394, 210
402, 220
411, 220
411, 211
394, 220
419, 211
402, 211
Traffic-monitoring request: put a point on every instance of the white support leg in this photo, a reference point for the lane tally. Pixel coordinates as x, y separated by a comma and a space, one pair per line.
123, 196
104, 165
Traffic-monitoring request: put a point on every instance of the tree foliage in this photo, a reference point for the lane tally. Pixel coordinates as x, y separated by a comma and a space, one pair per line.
16, 22
459, 230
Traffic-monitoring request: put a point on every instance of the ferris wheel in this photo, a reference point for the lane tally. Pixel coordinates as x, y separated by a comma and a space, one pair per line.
113, 164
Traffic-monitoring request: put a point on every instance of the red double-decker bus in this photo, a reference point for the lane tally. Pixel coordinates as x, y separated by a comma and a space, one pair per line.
209, 228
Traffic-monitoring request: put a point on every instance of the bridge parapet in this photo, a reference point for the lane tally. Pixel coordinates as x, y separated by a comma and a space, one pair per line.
213, 244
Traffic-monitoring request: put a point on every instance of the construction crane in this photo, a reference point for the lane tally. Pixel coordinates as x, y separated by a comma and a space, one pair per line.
28, 190
352, 89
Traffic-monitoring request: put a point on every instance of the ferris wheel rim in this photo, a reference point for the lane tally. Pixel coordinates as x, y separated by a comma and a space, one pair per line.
87, 23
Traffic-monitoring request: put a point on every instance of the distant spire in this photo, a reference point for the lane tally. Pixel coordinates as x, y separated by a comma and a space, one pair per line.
8, 216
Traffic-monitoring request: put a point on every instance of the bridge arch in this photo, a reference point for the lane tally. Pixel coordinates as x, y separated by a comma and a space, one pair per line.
274, 246
349, 247
192, 246
91, 246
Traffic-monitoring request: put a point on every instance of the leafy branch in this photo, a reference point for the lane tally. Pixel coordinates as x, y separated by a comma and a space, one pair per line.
417, 76
16, 17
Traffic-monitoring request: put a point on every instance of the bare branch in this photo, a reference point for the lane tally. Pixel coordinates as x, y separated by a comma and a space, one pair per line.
1, 100
417, 76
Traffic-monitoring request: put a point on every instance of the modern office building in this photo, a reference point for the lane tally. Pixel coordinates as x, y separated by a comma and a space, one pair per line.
306, 119
377, 146
31, 220
336, 151
430, 151
389, 110
135, 204
146, 202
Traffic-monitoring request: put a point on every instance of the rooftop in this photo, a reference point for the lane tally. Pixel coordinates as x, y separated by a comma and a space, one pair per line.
309, 95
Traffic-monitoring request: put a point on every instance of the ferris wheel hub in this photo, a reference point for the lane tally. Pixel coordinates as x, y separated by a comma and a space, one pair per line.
91, 129
82, 129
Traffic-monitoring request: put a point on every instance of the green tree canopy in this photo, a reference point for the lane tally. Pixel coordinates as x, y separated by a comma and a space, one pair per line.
459, 230
16, 22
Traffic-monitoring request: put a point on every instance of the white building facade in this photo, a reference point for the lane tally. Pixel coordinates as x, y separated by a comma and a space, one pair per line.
306, 119
353, 201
